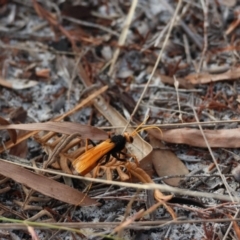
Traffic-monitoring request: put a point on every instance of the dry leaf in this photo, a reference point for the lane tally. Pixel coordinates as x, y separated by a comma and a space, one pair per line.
228, 3
201, 78
182, 81
43, 73
18, 83
227, 138
61, 127
166, 163
12, 133
43, 13
21, 149
53, 21
44, 185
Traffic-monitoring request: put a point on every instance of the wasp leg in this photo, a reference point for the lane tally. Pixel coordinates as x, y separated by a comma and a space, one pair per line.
127, 155
87, 144
107, 158
93, 143
115, 155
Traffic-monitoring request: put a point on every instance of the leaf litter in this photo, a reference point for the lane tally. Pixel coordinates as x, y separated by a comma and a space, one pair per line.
53, 53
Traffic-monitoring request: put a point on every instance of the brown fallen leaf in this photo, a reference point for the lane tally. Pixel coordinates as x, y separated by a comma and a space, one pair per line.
228, 3
200, 78
61, 127
21, 149
12, 133
44, 185
43, 73
182, 81
18, 115
53, 21
166, 163
51, 18
227, 138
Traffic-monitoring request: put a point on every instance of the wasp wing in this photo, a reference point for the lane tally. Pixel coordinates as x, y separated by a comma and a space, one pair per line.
88, 160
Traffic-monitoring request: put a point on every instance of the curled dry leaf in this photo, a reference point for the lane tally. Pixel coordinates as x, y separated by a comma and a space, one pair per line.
166, 163
227, 138
144, 177
201, 78
44, 185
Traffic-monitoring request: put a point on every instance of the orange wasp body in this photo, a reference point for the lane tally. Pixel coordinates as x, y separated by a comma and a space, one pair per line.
89, 160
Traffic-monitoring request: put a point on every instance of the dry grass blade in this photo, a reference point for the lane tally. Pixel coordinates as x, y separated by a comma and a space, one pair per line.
44, 185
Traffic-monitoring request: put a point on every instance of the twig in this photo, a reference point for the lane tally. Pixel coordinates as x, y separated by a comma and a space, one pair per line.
157, 62
161, 187
89, 24
123, 35
176, 85
205, 30
194, 37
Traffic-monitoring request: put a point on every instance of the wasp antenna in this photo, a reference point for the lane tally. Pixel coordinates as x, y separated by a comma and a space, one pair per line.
135, 132
150, 127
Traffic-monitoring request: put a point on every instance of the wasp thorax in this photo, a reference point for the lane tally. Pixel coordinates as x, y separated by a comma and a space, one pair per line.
128, 137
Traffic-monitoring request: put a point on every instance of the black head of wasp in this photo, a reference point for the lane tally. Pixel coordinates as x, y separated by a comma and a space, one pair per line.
112, 146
